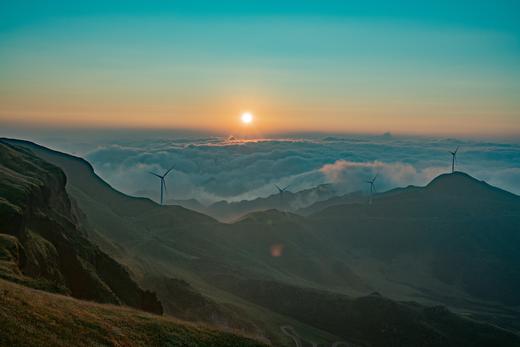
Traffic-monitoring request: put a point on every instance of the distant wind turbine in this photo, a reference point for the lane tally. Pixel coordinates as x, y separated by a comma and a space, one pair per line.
282, 191
163, 182
453, 154
372, 188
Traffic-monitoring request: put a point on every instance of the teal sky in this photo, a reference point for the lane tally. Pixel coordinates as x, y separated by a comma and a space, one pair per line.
448, 67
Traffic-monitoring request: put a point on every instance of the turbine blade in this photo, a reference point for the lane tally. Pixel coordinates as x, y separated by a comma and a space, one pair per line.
284, 189
279, 189
156, 175
164, 184
374, 187
375, 177
168, 171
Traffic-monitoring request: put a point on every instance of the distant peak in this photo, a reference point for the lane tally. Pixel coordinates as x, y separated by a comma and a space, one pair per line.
461, 182
457, 175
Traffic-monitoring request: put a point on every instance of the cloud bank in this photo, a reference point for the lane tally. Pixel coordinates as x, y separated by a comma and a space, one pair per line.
210, 169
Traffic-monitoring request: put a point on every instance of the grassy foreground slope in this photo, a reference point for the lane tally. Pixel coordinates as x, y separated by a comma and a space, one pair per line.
30, 317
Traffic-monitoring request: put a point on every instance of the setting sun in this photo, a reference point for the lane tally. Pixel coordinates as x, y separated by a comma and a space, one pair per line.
247, 117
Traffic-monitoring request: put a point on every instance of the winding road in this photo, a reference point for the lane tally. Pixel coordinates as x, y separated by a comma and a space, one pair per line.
290, 332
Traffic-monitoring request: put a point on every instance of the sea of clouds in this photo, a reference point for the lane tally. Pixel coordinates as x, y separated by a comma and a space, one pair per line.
210, 169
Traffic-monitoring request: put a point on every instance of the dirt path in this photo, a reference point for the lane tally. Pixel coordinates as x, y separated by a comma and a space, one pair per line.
290, 332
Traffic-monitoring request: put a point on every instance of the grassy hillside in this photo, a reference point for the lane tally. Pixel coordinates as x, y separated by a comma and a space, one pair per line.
33, 318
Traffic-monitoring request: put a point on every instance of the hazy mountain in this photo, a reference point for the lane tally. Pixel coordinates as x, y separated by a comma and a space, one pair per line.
192, 204
399, 246
287, 201
355, 197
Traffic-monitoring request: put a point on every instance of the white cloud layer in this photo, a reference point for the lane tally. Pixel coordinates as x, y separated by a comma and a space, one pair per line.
211, 169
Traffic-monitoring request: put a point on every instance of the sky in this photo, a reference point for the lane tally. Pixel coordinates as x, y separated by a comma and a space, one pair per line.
449, 68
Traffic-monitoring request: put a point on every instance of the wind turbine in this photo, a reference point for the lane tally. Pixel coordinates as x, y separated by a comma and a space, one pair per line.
281, 191
453, 154
163, 182
372, 188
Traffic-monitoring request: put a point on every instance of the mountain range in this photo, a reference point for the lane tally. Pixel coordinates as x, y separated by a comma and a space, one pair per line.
284, 201
432, 266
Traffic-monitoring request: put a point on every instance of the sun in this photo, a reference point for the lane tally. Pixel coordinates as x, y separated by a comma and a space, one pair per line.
247, 117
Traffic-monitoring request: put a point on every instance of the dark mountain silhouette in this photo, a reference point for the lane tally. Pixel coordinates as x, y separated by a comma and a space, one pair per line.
458, 183
420, 243
465, 231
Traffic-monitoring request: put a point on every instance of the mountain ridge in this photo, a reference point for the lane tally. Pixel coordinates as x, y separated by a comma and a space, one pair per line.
456, 185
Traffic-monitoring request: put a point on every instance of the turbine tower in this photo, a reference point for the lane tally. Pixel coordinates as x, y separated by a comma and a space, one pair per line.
163, 182
281, 191
372, 188
453, 154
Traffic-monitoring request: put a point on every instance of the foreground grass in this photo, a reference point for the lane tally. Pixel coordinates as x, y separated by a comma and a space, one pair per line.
30, 317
